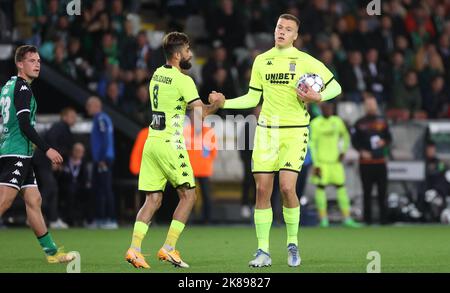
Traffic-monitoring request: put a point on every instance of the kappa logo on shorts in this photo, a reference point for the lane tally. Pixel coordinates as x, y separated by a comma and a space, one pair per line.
305, 135
181, 156
305, 141
304, 150
183, 165
178, 108
288, 164
23, 88
14, 181
176, 124
16, 172
19, 164
184, 174
181, 99
302, 158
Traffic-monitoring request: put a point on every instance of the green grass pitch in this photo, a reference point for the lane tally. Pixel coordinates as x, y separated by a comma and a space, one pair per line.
223, 249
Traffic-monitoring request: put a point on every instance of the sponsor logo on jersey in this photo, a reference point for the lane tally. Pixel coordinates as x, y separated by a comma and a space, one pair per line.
279, 78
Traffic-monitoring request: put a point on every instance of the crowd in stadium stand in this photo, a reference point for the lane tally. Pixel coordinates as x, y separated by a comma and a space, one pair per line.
402, 56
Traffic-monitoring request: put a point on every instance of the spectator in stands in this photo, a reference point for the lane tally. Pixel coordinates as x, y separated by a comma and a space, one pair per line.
398, 69
111, 74
143, 51
218, 60
77, 61
428, 64
402, 45
128, 47
59, 137
435, 179
201, 146
140, 104
225, 24
352, 78
117, 17
75, 185
371, 138
377, 74
102, 148
407, 97
327, 57
107, 53
60, 61
113, 94
436, 99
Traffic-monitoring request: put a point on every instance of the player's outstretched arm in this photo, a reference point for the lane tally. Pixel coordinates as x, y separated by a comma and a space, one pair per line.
247, 101
216, 100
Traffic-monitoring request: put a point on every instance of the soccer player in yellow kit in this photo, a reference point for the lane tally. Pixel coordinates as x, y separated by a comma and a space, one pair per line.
327, 131
165, 157
282, 134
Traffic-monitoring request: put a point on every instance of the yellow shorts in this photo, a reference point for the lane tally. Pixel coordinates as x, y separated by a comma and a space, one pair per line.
278, 149
164, 160
330, 174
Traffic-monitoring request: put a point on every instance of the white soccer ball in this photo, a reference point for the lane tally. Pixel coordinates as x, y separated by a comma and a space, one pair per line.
313, 80
445, 216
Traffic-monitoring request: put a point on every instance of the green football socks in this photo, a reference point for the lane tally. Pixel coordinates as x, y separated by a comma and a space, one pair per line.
47, 244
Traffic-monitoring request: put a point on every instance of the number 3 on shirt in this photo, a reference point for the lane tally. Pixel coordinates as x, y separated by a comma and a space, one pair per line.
5, 103
155, 96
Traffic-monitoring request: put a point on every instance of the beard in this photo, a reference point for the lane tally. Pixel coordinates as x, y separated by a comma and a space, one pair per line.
185, 64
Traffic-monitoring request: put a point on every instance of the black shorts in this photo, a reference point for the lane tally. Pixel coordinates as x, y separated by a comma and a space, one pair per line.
17, 172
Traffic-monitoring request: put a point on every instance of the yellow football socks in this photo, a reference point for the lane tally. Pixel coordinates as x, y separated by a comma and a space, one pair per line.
263, 222
140, 229
175, 229
292, 220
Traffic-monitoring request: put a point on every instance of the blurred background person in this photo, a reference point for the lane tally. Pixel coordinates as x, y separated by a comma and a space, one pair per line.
61, 138
327, 133
75, 185
371, 138
201, 147
102, 149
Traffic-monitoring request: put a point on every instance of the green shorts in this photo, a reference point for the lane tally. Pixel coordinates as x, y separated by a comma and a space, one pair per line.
278, 149
330, 174
164, 160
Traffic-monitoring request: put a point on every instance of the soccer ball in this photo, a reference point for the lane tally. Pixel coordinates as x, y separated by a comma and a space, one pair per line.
311, 79
445, 216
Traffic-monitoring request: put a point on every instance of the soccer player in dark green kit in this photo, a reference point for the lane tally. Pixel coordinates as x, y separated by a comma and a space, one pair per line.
18, 111
281, 137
